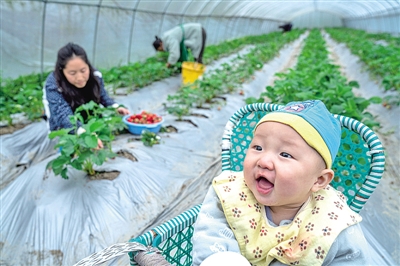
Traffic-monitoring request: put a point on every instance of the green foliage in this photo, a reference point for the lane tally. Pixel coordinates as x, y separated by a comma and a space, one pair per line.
22, 95
139, 74
80, 151
382, 61
149, 138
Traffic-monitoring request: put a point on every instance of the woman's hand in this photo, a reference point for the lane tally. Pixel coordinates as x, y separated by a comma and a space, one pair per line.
122, 111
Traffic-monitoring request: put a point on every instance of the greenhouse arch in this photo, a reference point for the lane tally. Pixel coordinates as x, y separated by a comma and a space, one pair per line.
121, 32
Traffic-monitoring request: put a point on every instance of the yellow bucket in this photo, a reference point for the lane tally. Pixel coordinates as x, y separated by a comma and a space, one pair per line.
191, 71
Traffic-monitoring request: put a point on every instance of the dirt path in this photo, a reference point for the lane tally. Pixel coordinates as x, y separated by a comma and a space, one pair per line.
291, 63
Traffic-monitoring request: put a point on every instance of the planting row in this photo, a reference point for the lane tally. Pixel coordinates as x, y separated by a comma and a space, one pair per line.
382, 61
377, 37
315, 77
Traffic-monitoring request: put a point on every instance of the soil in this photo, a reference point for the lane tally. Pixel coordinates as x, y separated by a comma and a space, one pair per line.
111, 175
188, 121
105, 175
55, 255
11, 129
128, 155
171, 129
198, 115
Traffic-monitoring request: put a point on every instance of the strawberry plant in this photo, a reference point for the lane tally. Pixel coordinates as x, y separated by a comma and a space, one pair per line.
80, 150
22, 95
149, 138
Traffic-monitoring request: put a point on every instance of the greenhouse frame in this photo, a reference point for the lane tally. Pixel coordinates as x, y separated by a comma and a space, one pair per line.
82, 183
129, 26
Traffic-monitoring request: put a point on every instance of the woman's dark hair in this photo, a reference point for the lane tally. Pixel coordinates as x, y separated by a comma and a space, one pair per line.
157, 43
76, 97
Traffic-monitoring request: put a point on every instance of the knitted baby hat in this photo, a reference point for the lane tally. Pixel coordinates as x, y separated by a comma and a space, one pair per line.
314, 123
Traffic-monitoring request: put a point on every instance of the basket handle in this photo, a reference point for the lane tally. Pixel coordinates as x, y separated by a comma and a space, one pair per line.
146, 256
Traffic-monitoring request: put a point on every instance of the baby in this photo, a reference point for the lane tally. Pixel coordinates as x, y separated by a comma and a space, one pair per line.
281, 210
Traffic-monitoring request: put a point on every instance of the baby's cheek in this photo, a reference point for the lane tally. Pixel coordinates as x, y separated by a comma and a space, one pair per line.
247, 170
247, 164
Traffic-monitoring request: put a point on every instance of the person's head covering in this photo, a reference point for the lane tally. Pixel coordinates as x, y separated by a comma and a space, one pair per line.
157, 43
314, 123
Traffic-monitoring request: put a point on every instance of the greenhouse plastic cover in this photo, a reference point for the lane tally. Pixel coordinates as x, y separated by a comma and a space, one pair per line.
117, 32
47, 220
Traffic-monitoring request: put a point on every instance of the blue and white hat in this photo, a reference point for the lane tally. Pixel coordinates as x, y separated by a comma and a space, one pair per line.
315, 124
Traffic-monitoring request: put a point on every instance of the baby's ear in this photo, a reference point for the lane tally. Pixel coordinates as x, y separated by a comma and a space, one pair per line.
323, 180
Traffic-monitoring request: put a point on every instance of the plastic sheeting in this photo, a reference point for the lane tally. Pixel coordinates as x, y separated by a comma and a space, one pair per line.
23, 148
50, 221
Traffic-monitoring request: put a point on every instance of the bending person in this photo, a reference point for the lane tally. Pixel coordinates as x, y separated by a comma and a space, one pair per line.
286, 27
178, 39
73, 82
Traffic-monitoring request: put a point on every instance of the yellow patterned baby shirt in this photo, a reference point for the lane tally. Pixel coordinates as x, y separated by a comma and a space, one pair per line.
305, 241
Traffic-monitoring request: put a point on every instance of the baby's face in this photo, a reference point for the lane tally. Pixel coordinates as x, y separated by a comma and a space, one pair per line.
280, 168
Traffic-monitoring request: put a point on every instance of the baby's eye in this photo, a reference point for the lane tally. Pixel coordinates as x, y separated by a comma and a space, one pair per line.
286, 155
257, 148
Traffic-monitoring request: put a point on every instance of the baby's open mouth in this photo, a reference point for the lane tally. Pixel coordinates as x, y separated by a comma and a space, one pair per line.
264, 186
